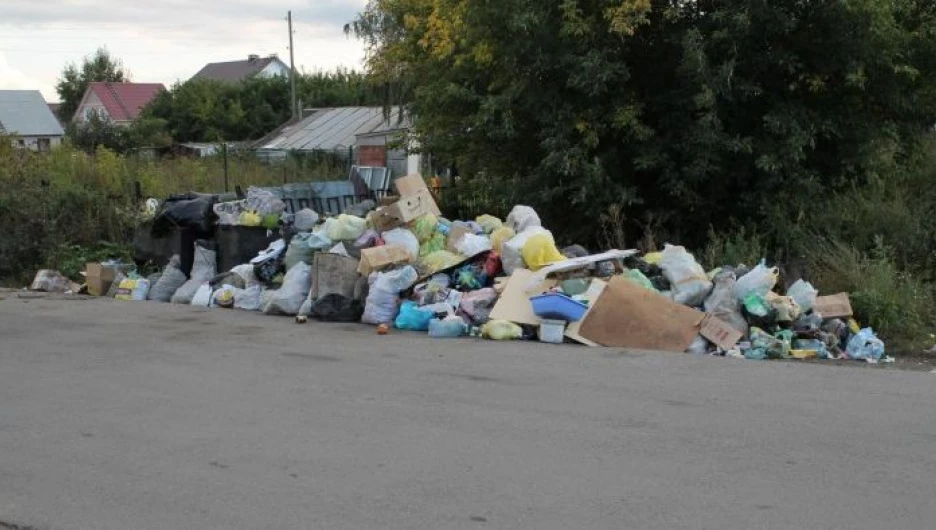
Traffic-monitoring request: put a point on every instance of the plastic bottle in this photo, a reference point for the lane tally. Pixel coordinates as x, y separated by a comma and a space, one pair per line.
448, 327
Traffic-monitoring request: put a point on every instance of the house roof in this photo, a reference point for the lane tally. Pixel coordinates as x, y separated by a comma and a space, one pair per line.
235, 71
328, 129
124, 101
25, 113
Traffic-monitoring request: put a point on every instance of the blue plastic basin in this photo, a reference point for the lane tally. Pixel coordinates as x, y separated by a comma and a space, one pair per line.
557, 306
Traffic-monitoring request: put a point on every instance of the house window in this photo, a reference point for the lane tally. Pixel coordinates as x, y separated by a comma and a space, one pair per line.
44, 145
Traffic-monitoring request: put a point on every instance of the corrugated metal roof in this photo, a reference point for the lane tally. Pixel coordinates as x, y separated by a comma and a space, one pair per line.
330, 129
25, 113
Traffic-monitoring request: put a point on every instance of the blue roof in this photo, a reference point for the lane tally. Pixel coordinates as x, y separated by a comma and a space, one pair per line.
25, 113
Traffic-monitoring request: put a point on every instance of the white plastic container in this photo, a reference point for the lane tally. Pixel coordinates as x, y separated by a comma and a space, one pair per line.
552, 331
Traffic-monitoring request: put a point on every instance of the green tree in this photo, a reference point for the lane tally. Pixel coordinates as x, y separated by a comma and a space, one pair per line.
737, 110
72, 85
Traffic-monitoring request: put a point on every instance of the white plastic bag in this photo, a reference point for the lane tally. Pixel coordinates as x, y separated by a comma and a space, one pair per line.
381, 306
298, 251
288, 298
224, 296
471, 245
512, 250
346, 228
204, 268
723, 304
250, 298
403, 237
246, 272
689, 281
804, 294
305, 220
760, 280
264, 202
202, 296
523, 217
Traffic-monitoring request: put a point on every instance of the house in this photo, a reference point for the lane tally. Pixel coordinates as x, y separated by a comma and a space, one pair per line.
333, 130
25, 117
387, 147
238, 71
121, 103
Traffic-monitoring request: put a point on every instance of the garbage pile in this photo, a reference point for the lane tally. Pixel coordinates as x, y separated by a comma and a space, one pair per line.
403, 266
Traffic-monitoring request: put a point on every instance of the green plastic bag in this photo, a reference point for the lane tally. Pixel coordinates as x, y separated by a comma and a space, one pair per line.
756, 305
433, 244
638, 277
424, 227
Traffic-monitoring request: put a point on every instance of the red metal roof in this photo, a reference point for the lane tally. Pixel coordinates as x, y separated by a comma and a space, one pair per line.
124, 101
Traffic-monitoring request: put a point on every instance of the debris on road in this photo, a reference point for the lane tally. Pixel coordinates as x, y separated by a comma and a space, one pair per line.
404, 265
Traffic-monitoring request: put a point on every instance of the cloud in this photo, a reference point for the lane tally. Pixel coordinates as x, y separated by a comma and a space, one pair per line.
13, 79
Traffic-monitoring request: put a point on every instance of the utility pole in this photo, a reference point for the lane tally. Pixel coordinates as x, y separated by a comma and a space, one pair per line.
292, 69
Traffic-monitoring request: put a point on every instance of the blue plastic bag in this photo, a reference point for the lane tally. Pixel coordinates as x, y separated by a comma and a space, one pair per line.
412, 318
865, 346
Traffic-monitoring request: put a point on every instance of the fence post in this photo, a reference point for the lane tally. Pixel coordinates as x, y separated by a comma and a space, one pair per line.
224, 152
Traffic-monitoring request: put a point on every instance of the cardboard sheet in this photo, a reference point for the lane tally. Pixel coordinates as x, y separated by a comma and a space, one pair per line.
373, 259
412, 185
592, 294
514, 303
720, 333
627, 315
579, 263
833, 306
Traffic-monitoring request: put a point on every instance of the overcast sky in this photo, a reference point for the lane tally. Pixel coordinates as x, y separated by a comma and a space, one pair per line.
168, 40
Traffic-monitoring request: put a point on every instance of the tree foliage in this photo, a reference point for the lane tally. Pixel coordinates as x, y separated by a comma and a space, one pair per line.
100, 131
71, 87
702, 110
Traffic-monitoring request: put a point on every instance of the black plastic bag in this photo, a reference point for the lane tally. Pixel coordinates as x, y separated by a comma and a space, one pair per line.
188, 210
337, 308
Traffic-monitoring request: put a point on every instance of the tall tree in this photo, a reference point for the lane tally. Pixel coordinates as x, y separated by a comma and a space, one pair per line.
71, 87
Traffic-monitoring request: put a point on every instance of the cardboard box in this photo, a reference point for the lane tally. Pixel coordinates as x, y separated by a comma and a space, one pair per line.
720, 333
627, 315
373, 259
417, 205
412, 185
514, 303
386, 218
833, 306
99, 278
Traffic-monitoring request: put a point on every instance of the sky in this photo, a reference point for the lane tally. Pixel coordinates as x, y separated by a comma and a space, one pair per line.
162, 41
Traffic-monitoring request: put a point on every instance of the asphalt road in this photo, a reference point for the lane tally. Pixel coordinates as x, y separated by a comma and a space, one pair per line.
148, 416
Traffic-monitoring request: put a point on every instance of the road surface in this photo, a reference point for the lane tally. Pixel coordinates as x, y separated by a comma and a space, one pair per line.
149, 416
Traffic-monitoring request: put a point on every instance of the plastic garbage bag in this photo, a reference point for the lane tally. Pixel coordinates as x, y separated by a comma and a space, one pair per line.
346, 228
299, 250
804, 294
404, 238
523, 217
471, 245
477, 305
865, 346
335, 307
512, 250
413, 318
172, 278
439, 261
539, 251
760, 280
381, 304
305, 220
424, 227
501, 236
367, 240
766, 346
246, 272
575, 251
489, 223
434, 291
362, 208
290, 296
433, 244
264, 202
690, 283
699, 346
202, 296
250, 298
638, 277
224, 296
722, 302
786, 308
204, 268
50, 281
187, 210
501, 330
447, 328
319, 240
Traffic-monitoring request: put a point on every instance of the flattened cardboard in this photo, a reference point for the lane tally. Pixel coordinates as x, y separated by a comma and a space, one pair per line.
833, 306
627, 315
386, 218
592, 294
99, 278
514, 303
417, 205
411, 185
720, 333
376, 258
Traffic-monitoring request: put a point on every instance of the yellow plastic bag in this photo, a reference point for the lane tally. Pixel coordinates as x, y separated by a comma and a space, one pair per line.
125, 290
501, 330
347, 228
433, 244
439, 261
424, 227
501, 235
653, 258
250, 218
539, 251
489, 223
